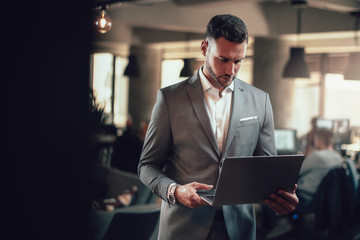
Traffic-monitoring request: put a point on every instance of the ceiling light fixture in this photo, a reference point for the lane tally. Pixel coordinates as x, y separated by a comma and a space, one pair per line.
132, 69
297, 67
102, 21
187, 70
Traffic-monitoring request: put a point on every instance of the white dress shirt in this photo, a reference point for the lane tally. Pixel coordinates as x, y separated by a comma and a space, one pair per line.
218, 108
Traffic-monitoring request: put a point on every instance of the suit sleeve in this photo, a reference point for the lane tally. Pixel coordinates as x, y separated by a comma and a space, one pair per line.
266, 142
156, 149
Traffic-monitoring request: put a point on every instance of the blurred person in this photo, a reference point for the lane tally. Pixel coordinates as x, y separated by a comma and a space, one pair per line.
310, 137
316, 165
194, 125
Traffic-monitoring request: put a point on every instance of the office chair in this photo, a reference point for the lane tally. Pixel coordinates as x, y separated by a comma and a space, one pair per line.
333, 204
354, 179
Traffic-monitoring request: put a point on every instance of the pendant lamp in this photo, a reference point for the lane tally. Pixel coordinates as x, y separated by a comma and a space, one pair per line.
132, 69
297, 67
187, 70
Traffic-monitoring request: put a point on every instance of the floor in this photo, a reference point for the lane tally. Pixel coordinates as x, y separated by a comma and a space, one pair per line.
307, 233
304, 230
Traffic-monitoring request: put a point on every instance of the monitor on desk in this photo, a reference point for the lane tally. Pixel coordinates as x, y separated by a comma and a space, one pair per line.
324, 123
339, 127
286, 141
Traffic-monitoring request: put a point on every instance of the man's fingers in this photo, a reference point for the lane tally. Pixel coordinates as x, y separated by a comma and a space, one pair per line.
276, 207
290, 198
186, 194
294, 190
283, 202
199, 186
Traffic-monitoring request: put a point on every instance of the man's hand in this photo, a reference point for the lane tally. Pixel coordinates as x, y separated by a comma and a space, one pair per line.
186, 194
283, 202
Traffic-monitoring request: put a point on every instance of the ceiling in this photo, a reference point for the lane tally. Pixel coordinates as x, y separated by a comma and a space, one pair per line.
325, 24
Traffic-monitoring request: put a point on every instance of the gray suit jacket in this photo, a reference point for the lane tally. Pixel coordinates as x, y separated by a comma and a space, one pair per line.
181, 147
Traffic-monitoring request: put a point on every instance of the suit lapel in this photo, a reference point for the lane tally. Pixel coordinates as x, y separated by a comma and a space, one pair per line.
238, 107
196, 96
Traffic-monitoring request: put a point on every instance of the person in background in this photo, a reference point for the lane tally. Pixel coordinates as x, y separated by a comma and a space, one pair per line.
310, 137
316, 165
194, 125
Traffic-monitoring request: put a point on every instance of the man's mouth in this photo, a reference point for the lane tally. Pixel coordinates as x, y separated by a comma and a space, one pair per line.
227, 78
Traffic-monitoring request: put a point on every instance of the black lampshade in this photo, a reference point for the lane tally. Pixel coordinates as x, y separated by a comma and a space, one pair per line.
132, 69
187, 70
353, 69
296, 67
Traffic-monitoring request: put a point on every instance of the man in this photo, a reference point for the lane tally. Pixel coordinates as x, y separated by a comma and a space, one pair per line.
194, 125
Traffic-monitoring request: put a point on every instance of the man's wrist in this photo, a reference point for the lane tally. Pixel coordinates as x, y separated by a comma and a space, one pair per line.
171, 193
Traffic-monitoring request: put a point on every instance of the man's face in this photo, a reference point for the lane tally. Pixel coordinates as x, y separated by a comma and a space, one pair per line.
223, 60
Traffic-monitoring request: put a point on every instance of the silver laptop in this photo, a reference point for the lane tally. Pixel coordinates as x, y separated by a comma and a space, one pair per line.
252, 179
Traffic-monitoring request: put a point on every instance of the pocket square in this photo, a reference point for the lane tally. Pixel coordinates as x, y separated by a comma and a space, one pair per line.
248, 118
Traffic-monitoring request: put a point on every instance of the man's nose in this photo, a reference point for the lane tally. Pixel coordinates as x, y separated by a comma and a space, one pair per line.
230, 68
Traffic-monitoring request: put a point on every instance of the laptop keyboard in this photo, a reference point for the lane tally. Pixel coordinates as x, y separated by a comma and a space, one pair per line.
209, 194
210, 197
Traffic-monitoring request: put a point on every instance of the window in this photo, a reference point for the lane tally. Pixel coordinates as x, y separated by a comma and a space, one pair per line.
121, 92
170, 71
110, 86
102, 79
306, 103
342, 98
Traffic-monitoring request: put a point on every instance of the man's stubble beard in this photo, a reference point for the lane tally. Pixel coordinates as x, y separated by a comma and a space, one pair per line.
213, 76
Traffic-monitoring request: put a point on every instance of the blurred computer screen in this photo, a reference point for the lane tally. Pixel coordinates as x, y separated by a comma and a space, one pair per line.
286, 141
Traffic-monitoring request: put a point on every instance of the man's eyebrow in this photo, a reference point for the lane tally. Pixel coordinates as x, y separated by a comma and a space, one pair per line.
225, 58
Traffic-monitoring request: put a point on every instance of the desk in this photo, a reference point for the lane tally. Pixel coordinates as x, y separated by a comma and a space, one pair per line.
352, 151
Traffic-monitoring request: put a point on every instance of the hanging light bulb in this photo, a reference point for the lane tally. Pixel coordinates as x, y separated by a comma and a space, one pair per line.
102, 21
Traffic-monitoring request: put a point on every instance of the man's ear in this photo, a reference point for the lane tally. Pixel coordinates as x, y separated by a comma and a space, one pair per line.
204, 47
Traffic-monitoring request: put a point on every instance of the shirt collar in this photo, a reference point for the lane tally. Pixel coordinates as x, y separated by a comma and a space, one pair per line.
206, 85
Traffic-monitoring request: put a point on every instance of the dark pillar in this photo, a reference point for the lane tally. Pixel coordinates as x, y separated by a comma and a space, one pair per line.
142, 89
270, 57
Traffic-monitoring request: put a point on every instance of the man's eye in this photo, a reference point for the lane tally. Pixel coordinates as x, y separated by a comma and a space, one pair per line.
224, 60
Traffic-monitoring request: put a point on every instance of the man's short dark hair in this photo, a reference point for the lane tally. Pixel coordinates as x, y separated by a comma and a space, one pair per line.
228, 26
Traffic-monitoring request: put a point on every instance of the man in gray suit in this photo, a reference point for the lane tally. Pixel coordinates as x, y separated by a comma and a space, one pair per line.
194, 125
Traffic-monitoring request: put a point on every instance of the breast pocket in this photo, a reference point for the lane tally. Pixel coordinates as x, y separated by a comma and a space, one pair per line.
248, 131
